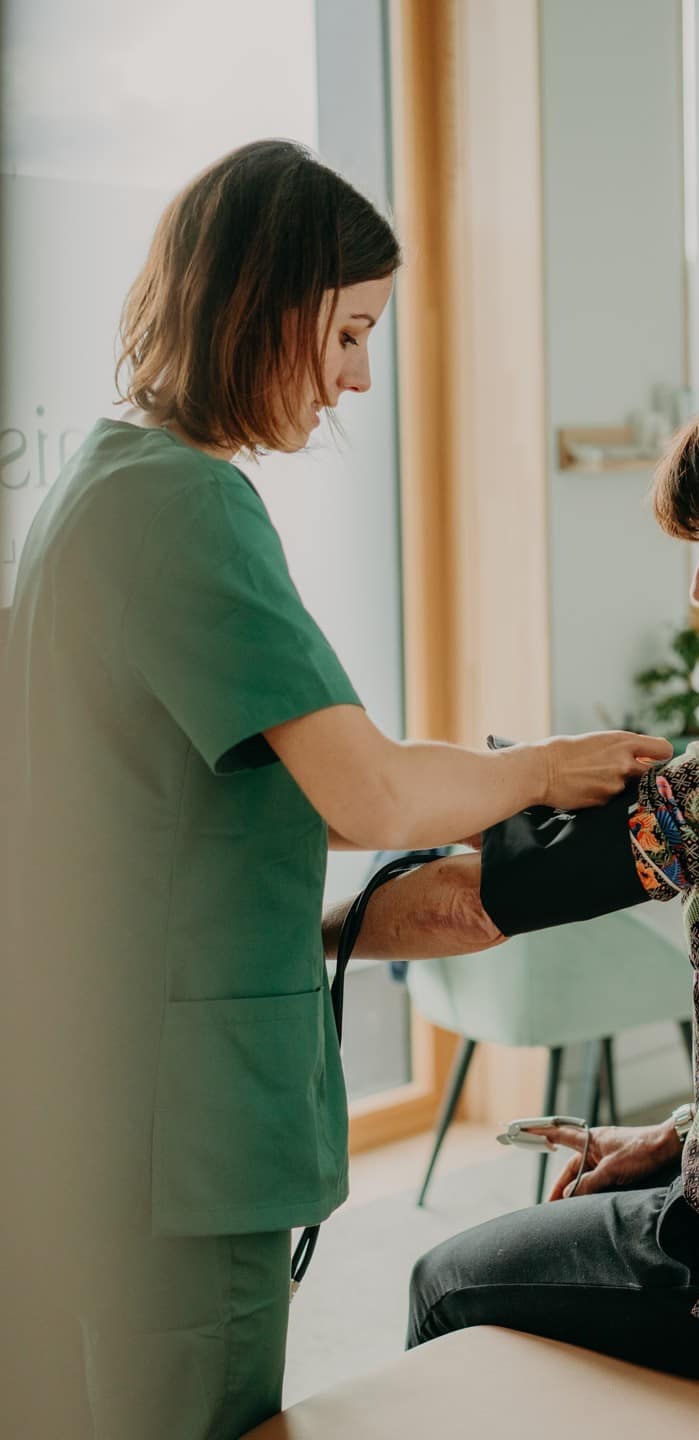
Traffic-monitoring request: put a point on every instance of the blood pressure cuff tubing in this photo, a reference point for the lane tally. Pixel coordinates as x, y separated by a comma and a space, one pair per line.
547, 867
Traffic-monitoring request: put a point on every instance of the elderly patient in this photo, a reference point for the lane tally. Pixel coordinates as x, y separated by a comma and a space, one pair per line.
614, 1266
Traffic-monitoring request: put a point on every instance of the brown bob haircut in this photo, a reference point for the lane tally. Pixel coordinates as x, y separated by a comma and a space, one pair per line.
266, 230
675, 494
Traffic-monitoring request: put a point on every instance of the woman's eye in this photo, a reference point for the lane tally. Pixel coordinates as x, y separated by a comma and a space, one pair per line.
346, 339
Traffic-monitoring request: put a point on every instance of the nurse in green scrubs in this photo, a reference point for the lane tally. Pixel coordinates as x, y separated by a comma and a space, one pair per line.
183, 744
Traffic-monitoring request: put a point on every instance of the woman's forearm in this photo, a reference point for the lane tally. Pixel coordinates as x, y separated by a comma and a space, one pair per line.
382, 794
431, 911
477, 788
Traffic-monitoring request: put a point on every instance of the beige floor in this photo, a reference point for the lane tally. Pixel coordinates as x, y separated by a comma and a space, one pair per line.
392, 1168
349, 1316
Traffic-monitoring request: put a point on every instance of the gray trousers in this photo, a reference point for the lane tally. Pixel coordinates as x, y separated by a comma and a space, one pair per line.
616, 1272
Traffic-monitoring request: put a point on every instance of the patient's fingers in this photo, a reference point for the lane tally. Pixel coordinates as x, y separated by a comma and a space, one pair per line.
566, 1177
560, 1135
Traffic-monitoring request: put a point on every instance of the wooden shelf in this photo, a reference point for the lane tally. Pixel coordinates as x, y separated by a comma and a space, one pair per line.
600, 438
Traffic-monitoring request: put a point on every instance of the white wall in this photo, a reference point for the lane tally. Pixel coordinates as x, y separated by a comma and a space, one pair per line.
615, 327
107, 111
614, 230
148, 93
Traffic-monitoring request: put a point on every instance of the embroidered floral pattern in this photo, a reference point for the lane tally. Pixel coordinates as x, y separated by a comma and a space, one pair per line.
664, 828
658, 842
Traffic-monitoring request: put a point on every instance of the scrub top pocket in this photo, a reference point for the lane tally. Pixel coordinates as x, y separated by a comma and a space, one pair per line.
237, 1106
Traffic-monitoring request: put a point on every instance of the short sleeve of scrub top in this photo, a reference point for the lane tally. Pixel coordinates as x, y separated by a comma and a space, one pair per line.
217, 628
250, 1123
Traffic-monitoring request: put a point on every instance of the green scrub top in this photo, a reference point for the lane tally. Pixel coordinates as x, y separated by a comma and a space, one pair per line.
156, 633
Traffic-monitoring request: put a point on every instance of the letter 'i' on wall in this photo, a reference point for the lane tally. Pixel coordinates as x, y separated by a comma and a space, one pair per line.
32, 457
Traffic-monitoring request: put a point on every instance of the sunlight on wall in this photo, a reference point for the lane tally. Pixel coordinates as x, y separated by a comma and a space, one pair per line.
106, 111
147, 95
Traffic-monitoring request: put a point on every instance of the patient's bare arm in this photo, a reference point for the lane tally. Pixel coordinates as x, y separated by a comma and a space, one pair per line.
431, 911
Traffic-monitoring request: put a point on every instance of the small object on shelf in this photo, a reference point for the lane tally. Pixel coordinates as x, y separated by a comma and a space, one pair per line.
663, 399
586, 454
613, 447
636, 445
651, 431
685, 405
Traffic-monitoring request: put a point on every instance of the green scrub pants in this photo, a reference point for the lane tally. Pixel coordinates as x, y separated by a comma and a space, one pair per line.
182, 1339
192, 1345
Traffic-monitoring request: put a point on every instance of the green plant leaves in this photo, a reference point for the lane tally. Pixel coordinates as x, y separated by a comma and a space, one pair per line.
678, 710
686, 644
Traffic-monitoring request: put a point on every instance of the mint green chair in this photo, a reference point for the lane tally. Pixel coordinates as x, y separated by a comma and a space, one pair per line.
555, 988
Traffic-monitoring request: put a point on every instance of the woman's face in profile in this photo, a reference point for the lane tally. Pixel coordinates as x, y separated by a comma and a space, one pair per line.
346, 366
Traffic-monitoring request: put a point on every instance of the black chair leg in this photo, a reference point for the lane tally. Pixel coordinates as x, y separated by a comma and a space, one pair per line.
450, 1100
608, 1067
549, 1108
591, 1083
686, 1032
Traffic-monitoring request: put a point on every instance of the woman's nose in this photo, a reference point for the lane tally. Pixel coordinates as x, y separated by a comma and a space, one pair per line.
357, 375
694, 587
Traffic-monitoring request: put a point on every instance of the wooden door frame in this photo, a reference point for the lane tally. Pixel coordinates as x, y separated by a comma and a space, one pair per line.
472, 424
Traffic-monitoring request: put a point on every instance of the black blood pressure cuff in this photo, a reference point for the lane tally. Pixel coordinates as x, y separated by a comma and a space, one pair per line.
547, 867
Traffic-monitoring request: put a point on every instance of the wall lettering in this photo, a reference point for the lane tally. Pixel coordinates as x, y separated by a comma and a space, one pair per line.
32, 458
9, 458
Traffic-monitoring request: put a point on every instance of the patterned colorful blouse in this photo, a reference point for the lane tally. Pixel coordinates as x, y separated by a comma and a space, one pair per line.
664, 828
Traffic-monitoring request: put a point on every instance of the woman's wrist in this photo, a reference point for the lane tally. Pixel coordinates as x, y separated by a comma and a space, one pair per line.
528, 767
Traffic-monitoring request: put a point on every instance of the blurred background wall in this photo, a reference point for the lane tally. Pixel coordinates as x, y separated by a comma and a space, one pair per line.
616, 329
106, 113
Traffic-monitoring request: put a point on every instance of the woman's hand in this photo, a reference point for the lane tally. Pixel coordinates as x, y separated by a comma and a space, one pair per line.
618, 1155
585, 770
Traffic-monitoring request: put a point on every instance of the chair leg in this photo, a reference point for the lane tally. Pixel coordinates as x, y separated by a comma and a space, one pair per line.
549, 1108
593, 1066
450, 1100
608, 1067
686, 1032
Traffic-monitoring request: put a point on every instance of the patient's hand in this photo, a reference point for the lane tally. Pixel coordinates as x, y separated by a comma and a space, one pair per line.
431, 911
618, 1155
